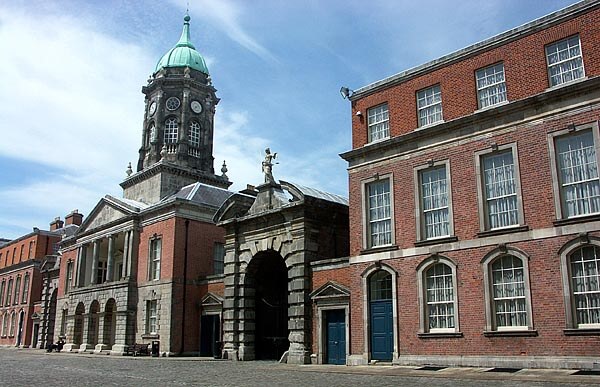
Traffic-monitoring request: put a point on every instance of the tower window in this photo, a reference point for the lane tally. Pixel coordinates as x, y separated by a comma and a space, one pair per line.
194, 135
171, 131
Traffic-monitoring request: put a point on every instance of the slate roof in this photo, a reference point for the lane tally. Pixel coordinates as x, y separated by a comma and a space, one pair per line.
203, 194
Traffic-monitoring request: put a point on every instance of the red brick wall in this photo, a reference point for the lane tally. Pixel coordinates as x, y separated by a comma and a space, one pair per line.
525, 72
166, 231
42, 245
67, 255
535, 174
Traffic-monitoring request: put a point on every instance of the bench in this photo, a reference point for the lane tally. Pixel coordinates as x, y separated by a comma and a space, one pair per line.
138, 349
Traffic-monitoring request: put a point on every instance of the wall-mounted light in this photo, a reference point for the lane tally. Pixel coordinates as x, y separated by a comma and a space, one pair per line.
359, 113
346, 92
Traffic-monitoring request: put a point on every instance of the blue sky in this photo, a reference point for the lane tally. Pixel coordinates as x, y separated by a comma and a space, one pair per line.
71, 72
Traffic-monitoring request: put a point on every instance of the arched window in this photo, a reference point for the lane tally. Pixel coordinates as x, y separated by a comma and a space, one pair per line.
25, 289
2, 288
170, 136
584, 286
438, 303
507, 291
4, 324
151, 136
380, 286
11, 327
194, 136
380, 311
8, 292
17, 290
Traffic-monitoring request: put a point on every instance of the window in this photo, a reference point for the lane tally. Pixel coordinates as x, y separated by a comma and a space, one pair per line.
219, 258
8, 292
25, 289
170, 131
69, 279
11, 325
194, 136
151, 317
21, 253
378, 121
577, 191
2, 288
500, 203
152, 132
154, 259
101, 272
63, 322
429, 105
433, 201
14, 255
565, 63
5, 324
508, 300
491, 87
436, 277
378, 213
584, 281
380, 286
30, 254
17, 291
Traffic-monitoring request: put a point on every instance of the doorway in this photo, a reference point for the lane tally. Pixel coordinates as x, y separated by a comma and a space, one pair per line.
381, 320
336, 336
210, 335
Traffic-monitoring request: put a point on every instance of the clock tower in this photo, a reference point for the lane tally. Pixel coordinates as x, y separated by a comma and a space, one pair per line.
177, 136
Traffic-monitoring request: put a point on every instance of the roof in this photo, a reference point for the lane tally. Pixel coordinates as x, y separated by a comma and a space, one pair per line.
315, 193
202, 194
184, 53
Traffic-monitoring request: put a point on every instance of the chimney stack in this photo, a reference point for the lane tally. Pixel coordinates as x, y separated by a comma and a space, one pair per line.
74, 218
56, 224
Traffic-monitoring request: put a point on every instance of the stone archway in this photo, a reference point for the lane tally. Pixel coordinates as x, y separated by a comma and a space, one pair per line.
267, 278
78, 328
110, 322
93, 323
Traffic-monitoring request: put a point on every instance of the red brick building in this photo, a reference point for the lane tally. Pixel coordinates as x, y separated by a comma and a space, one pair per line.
475, 203
21, 283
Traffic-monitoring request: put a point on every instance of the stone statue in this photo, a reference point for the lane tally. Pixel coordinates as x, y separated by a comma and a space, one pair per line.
267, 166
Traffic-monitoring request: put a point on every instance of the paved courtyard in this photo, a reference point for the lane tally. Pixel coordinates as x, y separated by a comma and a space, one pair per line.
21, 367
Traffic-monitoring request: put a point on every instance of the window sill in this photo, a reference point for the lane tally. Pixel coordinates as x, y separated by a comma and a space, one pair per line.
436, 241
578, 219
528, 333
150, 336
430, 125
564, 84
439, 335
378, 249
500, 231
377, 141
582, 332
490, 107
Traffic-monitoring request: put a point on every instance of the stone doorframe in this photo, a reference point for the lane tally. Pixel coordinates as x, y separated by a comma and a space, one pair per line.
238, 303
331, 296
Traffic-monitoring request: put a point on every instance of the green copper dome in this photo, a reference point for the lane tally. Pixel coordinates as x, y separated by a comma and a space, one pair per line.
184, 53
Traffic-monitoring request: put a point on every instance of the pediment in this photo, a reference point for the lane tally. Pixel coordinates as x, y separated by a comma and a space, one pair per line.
211, 300
106, 211
331, 290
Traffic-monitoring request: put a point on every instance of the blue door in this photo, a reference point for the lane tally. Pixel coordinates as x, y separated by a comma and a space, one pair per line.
336, 336
382, 336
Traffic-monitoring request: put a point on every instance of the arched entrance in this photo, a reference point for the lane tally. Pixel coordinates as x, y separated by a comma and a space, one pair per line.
20, 328
110, 319
50, 318
93, 321
78, 329
267, 275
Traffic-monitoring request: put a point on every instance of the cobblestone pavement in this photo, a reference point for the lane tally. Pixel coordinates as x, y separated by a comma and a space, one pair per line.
26, 367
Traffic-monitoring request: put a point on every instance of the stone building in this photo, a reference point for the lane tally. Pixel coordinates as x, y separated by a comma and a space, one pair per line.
131, 273
475, 203
21, 265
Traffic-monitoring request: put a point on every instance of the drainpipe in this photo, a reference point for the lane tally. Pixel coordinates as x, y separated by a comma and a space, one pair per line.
185, 259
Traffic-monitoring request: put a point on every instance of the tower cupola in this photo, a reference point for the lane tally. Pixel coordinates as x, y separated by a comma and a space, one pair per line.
184, 54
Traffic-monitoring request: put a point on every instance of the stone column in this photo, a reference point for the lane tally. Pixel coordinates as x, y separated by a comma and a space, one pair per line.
120, 344
81, 265
132, 262
70, 334
230, 304
298, 321
85, 346
95, 258
125, 255
111, 259
101, 339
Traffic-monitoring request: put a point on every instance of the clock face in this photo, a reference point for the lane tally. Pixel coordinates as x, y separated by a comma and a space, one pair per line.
196, 107
173, 103
152, 109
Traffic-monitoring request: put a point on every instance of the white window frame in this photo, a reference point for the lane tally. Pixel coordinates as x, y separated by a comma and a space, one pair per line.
194, 136
491, 85
419, 207
2, 290
570, 60
152, 317
490, 302
557, 185
422, 270
26, 282
154, 258
365, 186
171, 131
570, 248
483, 200
11, 326
16, 298
5, 317
429, 100
378, 123
69, 277
8, 292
